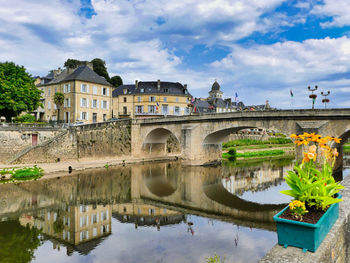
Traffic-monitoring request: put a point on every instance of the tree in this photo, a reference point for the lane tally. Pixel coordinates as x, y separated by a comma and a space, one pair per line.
72, 63
99, 67
59, 100
18, 243
116, 81
17, 91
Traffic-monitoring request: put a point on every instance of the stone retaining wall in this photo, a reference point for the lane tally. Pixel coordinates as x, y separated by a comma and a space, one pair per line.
334, 248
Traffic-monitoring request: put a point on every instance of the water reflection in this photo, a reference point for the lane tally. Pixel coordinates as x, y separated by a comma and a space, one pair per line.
147, 213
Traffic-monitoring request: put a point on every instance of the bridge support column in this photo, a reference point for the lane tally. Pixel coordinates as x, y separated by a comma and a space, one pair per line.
194, 152
136, 140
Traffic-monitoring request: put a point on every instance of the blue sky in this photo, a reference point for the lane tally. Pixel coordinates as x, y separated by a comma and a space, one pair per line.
260, 49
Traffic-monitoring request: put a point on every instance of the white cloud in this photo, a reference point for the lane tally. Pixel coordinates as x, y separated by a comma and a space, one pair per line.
270, 71
339, 11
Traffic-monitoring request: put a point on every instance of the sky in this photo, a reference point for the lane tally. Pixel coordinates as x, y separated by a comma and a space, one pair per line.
260, 49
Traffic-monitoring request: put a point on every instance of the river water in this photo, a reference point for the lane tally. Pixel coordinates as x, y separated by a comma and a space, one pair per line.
159, 212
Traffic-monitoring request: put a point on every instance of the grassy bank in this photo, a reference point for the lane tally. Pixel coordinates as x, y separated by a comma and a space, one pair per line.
252, 154
271, 142
20, 174
346, 147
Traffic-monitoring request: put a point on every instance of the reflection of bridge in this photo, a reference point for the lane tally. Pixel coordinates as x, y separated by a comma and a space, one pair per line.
168, 185
200, 137
200, 191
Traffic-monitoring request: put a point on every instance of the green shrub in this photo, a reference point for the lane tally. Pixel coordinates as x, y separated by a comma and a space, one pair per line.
22, 174
232, 151
26, 118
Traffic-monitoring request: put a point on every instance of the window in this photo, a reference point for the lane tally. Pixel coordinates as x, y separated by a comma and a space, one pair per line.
125, 110
104, 104
124, 99
152, 99
139, 99
55, 106
104, 216
104, 117
84, 116
139, 109
94, 103
94, 117
165, 109
164, 99
187, 110
84, 235
94, 90
83, 220
105, 91
49, 105
83, 102
84, 88
151, 109
66, 88
166, 90
142, 90
94, 218
67, 103
177, 110
125, 91
151, 211
177, 99
94, 231
56, 90
49, 91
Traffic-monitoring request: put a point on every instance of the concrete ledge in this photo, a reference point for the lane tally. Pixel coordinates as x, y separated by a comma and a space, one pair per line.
334, 248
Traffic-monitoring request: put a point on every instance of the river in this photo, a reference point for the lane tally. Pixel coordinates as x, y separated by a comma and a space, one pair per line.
160, 212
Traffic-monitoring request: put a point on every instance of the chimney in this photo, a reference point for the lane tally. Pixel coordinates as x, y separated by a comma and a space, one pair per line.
89, 64
136, 84
158, 85
185, 86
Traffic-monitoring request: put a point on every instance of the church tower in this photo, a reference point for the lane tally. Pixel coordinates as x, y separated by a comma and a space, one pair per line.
215, 92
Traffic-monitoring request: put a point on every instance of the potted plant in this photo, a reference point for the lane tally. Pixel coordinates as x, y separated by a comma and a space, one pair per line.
308, 218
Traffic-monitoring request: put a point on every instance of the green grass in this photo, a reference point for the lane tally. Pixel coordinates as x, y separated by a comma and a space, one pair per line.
346, 148
246, 142
263, 146
276, 160
22, 174
259, 153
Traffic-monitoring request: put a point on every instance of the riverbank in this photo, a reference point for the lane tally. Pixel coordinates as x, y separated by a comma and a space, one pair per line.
62, 168
242, 154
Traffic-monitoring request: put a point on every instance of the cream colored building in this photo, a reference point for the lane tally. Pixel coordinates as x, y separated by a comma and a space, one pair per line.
87, 96
75, 224
149, 99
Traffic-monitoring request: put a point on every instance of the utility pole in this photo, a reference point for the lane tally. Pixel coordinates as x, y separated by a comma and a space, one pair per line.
312, 96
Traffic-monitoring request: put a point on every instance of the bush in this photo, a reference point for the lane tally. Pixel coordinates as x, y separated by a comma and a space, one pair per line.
232, 151
26, 118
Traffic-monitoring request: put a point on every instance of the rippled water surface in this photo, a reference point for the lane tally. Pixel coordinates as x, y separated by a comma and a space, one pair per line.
144, 213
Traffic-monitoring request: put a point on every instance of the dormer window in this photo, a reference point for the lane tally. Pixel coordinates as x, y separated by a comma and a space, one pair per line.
125, 91
166, 90
142, 90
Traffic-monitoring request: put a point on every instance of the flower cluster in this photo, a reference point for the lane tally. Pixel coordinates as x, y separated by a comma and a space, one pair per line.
298, 209
327, 151
311, 183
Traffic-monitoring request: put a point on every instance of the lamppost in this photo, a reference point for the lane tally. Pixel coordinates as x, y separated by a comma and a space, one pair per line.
325, 100
313, 96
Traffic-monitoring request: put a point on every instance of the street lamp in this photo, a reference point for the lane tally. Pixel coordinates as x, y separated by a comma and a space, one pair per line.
325, 100
313, 96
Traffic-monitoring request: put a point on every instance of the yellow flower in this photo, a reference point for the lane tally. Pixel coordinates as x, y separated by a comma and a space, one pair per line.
312, 149
337, 140
294, 136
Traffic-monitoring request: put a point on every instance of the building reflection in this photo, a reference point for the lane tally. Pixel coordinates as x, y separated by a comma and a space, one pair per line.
146, 215
78, 227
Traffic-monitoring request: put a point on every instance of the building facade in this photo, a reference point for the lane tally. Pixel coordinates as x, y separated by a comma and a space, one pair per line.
87, 96
151, 98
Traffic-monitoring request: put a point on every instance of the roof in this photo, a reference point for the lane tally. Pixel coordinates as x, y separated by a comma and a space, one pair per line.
83, 73
215, 86
151, 87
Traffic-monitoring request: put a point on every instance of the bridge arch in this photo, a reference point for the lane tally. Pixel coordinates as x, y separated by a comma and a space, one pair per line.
220, 135
156, 140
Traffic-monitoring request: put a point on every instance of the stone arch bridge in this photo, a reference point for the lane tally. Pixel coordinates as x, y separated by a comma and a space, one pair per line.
200, 136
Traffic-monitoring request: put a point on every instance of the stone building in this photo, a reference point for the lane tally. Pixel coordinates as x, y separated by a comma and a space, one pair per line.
151, 98
88, 96
215, 102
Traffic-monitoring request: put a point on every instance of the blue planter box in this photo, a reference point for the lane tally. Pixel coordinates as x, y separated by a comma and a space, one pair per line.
305, 235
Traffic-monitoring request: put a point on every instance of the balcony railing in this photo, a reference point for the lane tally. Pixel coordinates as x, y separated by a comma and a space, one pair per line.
124, 113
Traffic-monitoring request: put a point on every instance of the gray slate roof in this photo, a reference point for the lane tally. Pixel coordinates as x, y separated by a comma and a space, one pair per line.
83, 73
151, 87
